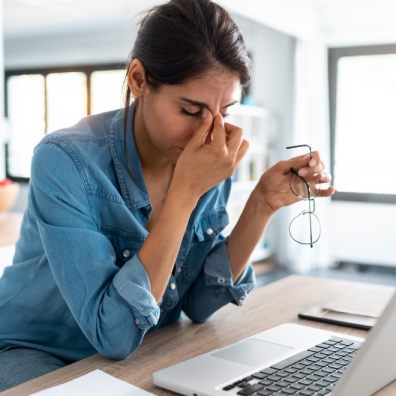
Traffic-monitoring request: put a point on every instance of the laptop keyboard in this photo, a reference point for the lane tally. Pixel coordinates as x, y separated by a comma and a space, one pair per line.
314, 371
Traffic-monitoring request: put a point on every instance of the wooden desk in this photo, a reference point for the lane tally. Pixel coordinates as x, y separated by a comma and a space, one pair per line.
268, 306
10, 225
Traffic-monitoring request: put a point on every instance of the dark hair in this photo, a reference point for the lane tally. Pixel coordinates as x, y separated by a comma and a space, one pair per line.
183, 39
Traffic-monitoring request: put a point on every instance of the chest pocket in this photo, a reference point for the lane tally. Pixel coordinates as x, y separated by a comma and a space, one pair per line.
210, 225
125, 245
206, 229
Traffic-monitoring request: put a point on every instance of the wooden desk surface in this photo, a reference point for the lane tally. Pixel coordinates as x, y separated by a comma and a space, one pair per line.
266, 307
10, 224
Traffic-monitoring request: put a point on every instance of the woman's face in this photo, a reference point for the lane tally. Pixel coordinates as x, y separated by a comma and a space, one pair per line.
170, 116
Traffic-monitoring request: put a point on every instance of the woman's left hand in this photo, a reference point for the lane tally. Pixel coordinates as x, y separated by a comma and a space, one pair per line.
274, 185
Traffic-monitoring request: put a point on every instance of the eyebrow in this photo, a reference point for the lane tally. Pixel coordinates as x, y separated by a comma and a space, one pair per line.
201, 104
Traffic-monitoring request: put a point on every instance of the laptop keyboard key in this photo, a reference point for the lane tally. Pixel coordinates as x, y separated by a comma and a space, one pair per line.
269, 371
306, 392
292, 360
274, 377
331, 378
313, 377
297, 386
322, 383
273, 388
356, 345
323, 392
259, 375
265, 393
266, 382
315, 349
250, 389
314, 388
288, 391
305, 382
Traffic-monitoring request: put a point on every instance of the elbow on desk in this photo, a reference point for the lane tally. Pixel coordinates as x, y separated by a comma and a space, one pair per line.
197, 319
117, 347
117, 352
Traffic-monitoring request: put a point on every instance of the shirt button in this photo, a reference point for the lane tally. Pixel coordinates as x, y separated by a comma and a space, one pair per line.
209, 231
178, 269
172, 286
221, 279
137, 322
126, 253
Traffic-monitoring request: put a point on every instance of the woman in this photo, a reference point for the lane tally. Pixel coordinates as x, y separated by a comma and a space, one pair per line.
123, 227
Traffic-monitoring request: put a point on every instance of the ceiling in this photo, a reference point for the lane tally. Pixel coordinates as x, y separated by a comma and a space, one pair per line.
337, 21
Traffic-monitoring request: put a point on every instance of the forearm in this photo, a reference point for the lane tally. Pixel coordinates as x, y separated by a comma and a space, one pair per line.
247, 233
159, 251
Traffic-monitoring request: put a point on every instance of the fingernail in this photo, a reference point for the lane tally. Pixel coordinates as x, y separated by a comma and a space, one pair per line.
302, 172
312, 162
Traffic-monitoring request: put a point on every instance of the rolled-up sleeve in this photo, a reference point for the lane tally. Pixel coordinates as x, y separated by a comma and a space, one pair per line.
113, 306
214, 286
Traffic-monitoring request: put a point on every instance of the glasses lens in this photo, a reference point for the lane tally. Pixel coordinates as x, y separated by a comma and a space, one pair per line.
305, 228
303, 188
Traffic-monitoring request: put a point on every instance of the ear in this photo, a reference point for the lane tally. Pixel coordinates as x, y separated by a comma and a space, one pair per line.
137, 81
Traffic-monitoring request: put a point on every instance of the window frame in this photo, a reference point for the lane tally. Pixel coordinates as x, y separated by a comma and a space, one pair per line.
86, 69
334, 54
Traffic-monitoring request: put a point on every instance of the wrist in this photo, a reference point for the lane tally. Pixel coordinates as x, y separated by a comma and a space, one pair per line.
183, 196
260, 202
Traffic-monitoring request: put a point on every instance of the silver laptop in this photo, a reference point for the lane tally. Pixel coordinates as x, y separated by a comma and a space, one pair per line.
292, 359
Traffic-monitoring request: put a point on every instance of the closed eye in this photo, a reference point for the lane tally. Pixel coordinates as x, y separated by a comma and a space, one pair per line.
198, 114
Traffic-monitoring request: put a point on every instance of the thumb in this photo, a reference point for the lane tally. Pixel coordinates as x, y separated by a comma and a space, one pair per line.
202, 132
295, 162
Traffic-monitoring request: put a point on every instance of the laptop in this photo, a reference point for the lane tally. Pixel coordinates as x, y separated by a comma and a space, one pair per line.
292, 359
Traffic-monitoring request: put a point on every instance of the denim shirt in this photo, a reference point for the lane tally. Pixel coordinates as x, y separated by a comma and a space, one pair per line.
77, 286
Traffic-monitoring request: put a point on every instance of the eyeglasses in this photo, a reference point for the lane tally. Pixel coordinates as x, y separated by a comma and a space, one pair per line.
305, 227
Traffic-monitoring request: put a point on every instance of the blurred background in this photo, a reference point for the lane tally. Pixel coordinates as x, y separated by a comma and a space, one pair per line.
324, 74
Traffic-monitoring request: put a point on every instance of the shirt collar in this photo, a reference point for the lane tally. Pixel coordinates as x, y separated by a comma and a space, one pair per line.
126, 160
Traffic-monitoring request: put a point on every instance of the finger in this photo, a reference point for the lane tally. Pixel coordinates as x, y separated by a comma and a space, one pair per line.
295, 163
201, 134
311, 170
243, 148
319, 178
235, 139
218, 134
326, 192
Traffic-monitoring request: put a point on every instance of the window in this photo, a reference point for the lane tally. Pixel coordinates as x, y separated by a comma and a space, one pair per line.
363, 122
41, 101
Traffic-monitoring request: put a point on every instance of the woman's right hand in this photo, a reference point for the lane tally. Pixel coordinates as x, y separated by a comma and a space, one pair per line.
211, 156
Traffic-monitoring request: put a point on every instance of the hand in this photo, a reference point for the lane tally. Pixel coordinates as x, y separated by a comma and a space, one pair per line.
211, 156
274, 184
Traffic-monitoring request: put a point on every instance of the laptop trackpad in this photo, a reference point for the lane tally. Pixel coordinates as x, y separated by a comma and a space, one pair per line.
253, 352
